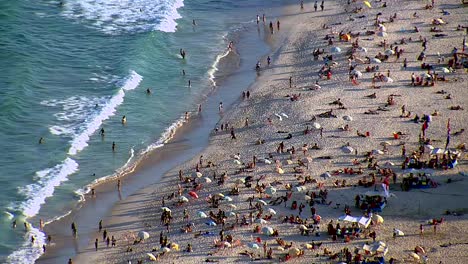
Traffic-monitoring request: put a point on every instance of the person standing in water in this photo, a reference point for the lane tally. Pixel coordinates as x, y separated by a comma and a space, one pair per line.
220, 107
189, 83
124, 120
113, 146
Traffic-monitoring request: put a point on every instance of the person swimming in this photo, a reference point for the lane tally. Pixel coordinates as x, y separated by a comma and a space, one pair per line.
148, 91
124, 120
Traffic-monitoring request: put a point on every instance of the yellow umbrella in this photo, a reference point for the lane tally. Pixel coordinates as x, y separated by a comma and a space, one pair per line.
280, 170
367, 4
151, 257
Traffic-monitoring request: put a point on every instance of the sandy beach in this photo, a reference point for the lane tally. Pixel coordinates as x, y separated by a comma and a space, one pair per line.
314, 134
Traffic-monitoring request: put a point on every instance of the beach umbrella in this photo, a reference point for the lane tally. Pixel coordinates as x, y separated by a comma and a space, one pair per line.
377, 152
398, 232
253, 245
262, 202
197, 174
382, 34
227, 244
193, 194
235, 156
231, 214
270, 190
300, 188
143, 235
207, 180
325, 175
347, 118
308, 246
362, 49
240, 181
307, 160
335, 49
307, 197
419, 249
382, 28
183, 199
294, 252
233, 206
389, 164
428, 147
440, 21
271, 211
227, 198
385, 143
211, 223
375, 60
201, 214
347, 149
165, 209
260, 221
316, 125
378, 219
266, 230
316, 86
175, 246
356, 73
389, 52
237, 162
151, 257
437, 151
266, 161
220, 195
445, 70
388, 79
280, 170
317, 217
165, 249
367, 4
288, 162
280, 248
303, 227
425, 75
414, 256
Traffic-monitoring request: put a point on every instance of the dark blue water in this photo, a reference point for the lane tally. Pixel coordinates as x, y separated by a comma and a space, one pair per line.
68, 70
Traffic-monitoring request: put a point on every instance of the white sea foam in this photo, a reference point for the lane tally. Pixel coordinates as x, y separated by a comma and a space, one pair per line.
45, 182
125, 16
167, 135
214, 66
80, 116
27, 253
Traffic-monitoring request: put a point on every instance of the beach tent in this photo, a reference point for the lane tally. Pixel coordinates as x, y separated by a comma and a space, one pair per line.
143, 235
266, 230
233, 206
363, 221
300, 189
377, 152
382, 28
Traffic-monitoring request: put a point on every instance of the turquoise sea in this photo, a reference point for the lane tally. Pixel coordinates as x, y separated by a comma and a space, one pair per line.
71, 68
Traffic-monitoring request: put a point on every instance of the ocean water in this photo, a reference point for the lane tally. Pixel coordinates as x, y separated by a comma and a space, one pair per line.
71, 68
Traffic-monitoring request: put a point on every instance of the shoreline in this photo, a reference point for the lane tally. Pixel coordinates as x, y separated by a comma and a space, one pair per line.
117, 221
179, 143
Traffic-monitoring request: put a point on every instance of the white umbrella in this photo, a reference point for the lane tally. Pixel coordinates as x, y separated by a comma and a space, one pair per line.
227, 198
307, 160
325, 175
375, 60
445, 70
260, 221
316, 125
271, 211
253, 245
262, 202
201, 214
382, 34
220, 195
270, 190
300, 188
152, 257
266, 230
267, 161
207, 180
428, 147
437, 151
280, 248
347, 149
237, 162
336, 49
382, 28
233, 206
362, 49
294, 251
347, 118
183, 199
303, 227
231, 214
356, 73
398, 232
211, 223
377, 218
389, 52
165, 209
165, 249
307, 197
425, 75
197, 174
385, 143
240, 181
389, 164
377, 152
227, 244
143, 235
388, 79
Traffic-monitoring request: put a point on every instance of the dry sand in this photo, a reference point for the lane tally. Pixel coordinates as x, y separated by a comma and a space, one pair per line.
293, 57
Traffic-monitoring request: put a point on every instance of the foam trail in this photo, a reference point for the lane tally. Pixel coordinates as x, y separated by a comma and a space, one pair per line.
125, 16
80, 141
214, 66
44, 186
27, 253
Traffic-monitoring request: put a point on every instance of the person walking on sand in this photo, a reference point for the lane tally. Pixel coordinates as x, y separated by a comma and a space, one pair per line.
258, 19
70, 261
322, 5
290, 81
100, 225
119, 185
74, 230
96, 242
233, 134
302, 5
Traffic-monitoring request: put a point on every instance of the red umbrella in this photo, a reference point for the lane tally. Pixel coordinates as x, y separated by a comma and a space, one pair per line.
193, 194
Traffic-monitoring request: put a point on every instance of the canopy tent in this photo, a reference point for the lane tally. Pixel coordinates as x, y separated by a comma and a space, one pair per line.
363, 221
